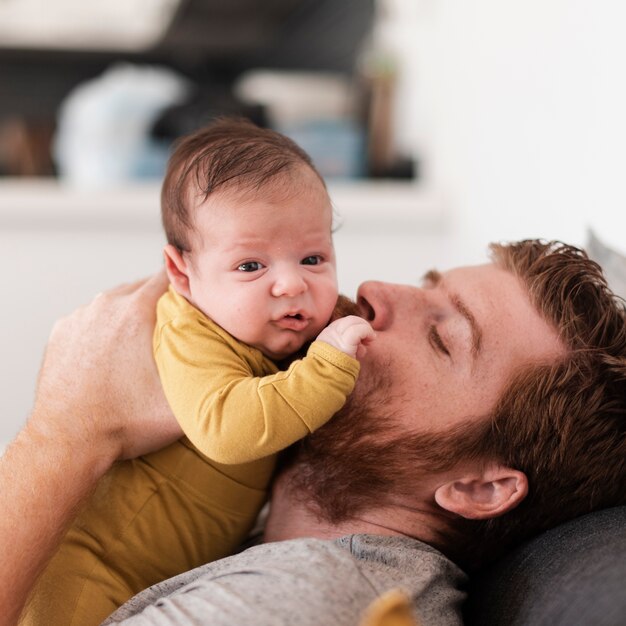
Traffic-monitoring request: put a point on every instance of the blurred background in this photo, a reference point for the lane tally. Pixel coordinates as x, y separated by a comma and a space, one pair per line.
440, 125
123, 80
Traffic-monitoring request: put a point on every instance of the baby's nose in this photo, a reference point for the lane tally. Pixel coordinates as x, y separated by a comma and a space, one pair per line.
288, 283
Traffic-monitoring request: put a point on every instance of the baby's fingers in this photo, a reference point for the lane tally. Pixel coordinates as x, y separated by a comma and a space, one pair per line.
359, 336
360, 332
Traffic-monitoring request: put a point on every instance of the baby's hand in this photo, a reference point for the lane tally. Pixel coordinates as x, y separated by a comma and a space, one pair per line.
349, 334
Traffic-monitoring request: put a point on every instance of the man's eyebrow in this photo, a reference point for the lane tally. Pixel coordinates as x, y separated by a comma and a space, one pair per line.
435, 278
477, 333
432, 276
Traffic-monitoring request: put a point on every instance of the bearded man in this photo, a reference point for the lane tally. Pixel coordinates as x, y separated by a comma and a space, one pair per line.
490, 407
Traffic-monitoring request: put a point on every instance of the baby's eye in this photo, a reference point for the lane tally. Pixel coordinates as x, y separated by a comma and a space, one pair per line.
314, 259
250, 266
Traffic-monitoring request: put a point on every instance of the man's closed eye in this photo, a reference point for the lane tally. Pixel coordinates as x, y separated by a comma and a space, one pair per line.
436, 341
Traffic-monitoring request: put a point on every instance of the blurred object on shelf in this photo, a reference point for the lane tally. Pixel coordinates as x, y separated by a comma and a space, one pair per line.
380, 70
93, 25
25, 147
203, 104
380, 84
291, 97
206, 40
57, 59
337, 146
103, 132
384, 160
318, 110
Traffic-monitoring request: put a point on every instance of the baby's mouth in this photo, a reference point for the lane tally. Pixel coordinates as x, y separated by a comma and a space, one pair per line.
293, 321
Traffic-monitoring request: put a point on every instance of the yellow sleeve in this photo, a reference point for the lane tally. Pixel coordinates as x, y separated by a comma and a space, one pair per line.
233, 416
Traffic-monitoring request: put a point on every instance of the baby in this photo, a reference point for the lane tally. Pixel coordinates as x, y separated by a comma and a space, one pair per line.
252, 270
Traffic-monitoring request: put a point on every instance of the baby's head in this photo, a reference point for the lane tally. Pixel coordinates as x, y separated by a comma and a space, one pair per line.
248, 223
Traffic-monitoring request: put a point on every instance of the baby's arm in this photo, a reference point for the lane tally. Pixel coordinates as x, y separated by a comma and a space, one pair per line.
233, 416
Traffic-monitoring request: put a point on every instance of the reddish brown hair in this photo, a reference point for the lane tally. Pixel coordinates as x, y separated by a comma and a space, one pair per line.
563, 425
226, 153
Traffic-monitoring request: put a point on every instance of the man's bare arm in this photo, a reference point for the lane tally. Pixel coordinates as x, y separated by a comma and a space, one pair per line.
98, 400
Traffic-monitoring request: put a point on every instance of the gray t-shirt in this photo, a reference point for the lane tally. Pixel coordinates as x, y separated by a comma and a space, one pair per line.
304, 581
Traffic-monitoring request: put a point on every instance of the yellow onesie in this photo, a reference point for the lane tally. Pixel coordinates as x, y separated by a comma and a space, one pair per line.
168, 512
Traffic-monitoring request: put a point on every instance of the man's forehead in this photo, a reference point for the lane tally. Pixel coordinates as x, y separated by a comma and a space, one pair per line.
489, 291
501, 302
479, 272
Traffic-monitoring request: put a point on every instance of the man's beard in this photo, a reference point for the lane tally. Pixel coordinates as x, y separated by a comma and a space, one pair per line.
363, 458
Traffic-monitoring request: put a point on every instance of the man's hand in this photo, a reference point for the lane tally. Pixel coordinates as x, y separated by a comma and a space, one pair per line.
349, 334
99, 382
98, 399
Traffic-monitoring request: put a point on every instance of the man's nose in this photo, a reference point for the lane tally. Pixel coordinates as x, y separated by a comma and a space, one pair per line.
374, 301
380, 302
289, 283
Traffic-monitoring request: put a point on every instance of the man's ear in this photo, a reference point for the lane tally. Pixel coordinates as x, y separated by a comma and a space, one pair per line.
484, 495
177, 270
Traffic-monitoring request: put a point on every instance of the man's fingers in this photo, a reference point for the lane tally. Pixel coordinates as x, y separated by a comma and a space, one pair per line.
149, 288
155, 285
100, 358
123, 289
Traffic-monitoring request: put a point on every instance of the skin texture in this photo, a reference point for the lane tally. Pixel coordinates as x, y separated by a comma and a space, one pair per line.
426, 345
424, 375
98, 400
262, 266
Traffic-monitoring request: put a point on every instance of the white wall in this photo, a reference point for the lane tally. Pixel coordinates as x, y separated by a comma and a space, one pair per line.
519, 112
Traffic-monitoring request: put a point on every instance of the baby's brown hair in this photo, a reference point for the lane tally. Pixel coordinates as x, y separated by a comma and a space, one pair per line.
229, 152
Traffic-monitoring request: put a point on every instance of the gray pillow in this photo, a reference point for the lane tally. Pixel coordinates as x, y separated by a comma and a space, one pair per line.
574, 574
613, 263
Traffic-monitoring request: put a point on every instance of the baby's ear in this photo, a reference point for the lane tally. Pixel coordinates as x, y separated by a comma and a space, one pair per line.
177, 270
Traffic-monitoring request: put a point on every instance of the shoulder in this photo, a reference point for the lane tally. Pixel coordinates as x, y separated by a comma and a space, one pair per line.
173, 310
433, 582
177, 317
320, 582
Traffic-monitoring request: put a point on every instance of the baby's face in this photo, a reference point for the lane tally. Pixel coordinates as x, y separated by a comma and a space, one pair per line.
263, 265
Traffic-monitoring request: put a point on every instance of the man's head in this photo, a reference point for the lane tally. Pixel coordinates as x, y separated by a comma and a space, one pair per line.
490, 382
248, 222
563, 424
